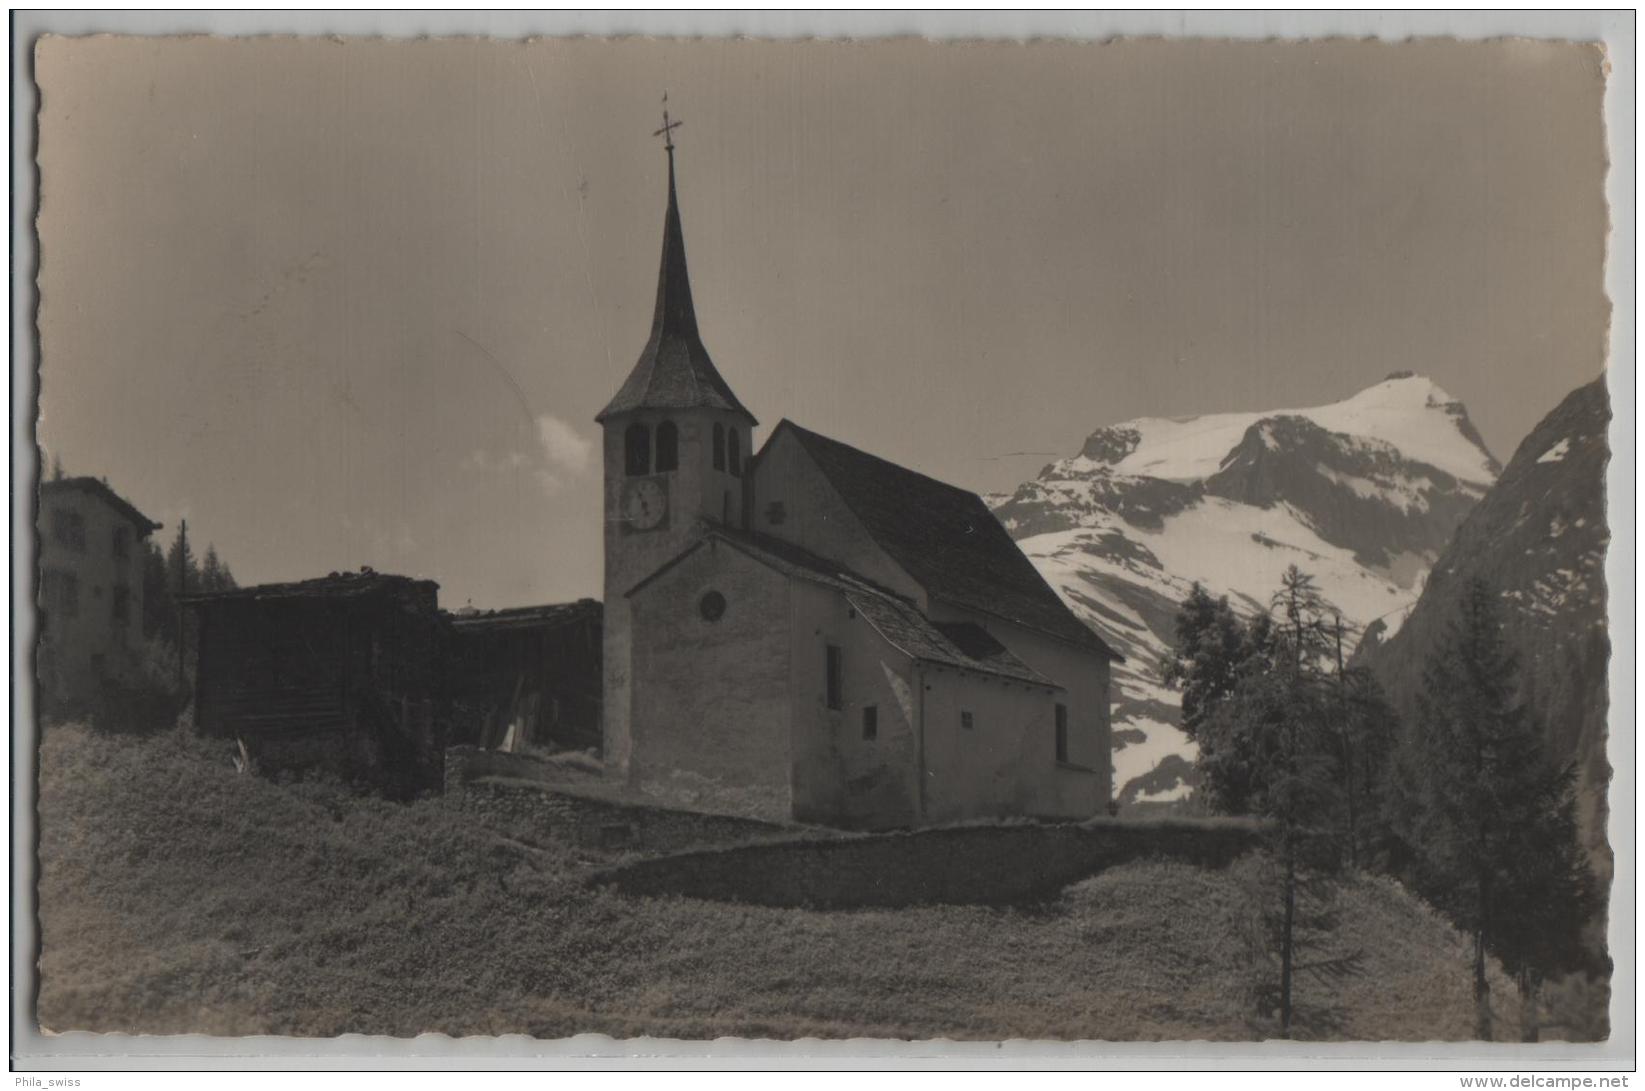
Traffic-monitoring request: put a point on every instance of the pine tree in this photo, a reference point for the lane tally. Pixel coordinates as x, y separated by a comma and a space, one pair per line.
1493, 822
211, 571
1211, 648
1366, 728
182, 568
159, 607
1215, 653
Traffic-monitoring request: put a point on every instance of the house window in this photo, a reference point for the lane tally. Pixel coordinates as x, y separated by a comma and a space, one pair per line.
668, 447
61, 591
732, 454
69, 529
637, 450
870, 723
711, 606
1062, 733
122, 543
966, 721
835, 681
719, 446
121, 605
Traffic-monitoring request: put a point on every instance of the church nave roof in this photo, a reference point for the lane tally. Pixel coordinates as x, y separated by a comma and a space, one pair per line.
945, 538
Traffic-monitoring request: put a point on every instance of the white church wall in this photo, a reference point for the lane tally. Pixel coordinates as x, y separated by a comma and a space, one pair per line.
813, 516
710, 707
1082, 786
840, 777
988, 748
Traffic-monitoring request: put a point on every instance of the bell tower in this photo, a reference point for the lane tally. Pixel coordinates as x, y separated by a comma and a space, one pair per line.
676, 448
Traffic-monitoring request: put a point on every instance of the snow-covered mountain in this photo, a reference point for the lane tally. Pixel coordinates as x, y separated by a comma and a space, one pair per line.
1363, 494
1539, 538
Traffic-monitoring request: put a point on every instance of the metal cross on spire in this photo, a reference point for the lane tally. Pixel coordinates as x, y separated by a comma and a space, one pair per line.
667, 131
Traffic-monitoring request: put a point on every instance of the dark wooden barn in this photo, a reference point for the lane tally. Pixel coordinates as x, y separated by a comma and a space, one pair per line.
529, 678
347, 673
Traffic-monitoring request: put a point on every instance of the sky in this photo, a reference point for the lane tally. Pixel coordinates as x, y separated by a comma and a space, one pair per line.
351, 302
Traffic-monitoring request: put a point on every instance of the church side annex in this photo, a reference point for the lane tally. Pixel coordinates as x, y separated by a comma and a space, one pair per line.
812, 633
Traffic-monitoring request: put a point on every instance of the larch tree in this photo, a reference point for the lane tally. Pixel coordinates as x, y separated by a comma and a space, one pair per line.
1264, 703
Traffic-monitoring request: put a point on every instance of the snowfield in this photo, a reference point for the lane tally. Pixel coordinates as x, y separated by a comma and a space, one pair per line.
1124, 529
1411, 414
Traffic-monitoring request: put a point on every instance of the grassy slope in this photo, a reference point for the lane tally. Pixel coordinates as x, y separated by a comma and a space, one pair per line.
177, 896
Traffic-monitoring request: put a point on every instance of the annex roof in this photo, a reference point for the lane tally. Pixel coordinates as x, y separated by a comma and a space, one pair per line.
945, 538
899, 621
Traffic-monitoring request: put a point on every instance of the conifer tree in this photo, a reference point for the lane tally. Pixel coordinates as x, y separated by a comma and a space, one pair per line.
1492, 820
159, 607
1215, 653
214, 574
1268, 713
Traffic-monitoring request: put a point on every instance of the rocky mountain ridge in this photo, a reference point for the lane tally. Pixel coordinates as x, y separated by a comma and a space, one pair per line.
1363, 493
1539, 538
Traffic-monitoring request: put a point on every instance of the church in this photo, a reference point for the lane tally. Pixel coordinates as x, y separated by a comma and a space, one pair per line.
811, 633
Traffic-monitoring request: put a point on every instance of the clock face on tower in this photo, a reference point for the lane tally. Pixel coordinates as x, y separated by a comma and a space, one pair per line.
645, 504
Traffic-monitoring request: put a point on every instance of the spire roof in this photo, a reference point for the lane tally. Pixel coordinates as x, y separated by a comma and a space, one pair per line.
674, 371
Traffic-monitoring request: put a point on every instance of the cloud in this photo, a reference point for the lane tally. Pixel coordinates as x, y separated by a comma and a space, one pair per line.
485, 460
563, 454
549, 483
562, 446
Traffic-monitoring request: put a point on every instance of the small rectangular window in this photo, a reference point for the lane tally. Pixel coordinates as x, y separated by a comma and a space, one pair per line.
122, 603
1062, 733
965, 720
835, 683
68, 595
870, 723
122, 543
69, 529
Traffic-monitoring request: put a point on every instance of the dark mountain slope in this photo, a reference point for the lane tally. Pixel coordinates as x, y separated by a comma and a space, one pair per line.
1539, 537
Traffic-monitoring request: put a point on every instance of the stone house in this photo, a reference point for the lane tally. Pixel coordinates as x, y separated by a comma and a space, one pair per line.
90, 595
816, 633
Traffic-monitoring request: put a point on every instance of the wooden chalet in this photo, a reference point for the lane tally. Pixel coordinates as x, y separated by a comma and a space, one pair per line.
529, 678
345, 672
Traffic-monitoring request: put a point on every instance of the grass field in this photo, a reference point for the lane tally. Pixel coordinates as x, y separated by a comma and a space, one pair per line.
178, 896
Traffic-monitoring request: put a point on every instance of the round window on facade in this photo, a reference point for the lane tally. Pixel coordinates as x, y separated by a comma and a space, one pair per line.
712, 606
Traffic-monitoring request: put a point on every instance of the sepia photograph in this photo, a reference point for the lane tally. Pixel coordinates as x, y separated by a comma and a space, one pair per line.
692, 539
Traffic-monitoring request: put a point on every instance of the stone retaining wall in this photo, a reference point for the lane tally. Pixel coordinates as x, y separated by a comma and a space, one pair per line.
977, 864
528, 797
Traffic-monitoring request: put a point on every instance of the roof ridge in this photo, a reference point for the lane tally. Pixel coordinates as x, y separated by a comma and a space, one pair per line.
97, 484
804, 431
945, 537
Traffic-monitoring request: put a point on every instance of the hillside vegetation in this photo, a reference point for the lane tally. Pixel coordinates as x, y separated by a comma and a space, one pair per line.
178, 896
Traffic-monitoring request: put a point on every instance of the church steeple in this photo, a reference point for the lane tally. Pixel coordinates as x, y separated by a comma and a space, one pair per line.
674, 370
675, 316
